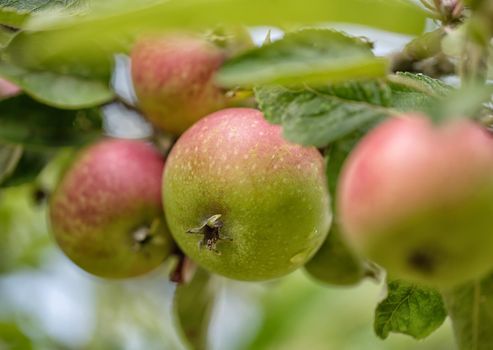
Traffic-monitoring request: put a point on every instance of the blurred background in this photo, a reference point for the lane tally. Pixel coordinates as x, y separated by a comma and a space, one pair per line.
46, 302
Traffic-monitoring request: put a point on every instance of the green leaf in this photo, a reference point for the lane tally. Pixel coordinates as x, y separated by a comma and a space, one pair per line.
470, 307
409, 309
91, 40
426, 45
419, 83
193, 304
321, 115
28, 167
309, 56
468, 101
28, 122
9, 158
58, 90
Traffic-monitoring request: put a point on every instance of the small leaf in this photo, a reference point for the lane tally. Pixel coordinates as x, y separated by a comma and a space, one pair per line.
9, 158
426, 45
310, 56
58, 90
28, 122
193, 305
470, 307
409, 309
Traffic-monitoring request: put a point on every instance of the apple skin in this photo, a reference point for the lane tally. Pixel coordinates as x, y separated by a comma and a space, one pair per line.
417, 198
271, 194
112, 191
173, 80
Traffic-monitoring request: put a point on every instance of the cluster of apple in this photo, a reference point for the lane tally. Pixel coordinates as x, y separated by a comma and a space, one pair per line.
241, 201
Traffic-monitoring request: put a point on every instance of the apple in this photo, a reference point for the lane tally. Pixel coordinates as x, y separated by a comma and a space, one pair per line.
173, 79
243, 202
106, 213
417, 198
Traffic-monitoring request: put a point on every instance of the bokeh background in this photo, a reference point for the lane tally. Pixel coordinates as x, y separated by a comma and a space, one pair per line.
46, 302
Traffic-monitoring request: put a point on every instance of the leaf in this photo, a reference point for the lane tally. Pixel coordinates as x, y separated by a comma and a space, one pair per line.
9, 158
92, 39
58, 90
193, 304
28, 122
467, 101
310, 56
28, 167
426, 45
410, 82
470, 307
321, 115
409, 309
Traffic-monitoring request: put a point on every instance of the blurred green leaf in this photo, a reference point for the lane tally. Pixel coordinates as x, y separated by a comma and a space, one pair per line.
37, 5
58, 90
309, 56
28, 167
12, 337
28, 122
470, 307
425, 45
321, 115
193, 305
12, 17
89, 42
467, 101
409, 309
9, 158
